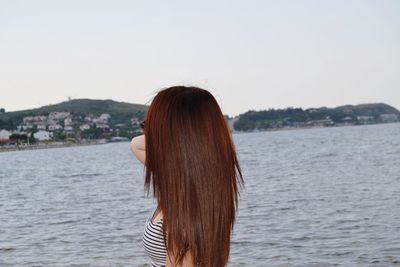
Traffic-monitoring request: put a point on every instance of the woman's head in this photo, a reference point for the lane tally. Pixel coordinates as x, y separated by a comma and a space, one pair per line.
192, 167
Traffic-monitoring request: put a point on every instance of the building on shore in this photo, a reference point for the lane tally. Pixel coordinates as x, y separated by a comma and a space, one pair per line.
54, 127
67, 121
88, 118
102, 125
105, 116
321, 123
135, 121
365, 118
41, 126
43, 135
4, 135
25, 127
68, 128
84, 127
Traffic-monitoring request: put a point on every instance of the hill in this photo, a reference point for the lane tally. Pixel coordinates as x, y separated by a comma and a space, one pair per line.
370, 113
121, 112
123, 115
374, 109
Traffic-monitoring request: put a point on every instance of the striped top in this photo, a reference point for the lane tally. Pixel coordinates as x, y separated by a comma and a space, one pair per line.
153, 242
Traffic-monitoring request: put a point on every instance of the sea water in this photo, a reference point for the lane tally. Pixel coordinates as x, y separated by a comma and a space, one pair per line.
312, 197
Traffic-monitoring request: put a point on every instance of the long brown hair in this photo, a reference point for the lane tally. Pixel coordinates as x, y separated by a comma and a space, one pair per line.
192, 166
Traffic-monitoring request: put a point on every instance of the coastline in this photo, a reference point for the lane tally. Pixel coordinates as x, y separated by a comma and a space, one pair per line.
289, 128
104, 141
53, 145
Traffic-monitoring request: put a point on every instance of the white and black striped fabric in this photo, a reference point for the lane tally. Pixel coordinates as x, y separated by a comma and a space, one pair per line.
153, 242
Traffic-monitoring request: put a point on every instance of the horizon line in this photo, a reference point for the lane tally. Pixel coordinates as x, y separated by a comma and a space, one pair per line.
256, 110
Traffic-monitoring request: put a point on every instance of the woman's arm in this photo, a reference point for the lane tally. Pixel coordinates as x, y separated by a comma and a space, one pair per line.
138, 148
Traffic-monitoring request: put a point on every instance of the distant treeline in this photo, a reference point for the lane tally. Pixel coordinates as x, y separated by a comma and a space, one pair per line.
273, 118
122, 112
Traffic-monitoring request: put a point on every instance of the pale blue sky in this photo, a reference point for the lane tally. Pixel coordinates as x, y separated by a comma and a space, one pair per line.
249, 54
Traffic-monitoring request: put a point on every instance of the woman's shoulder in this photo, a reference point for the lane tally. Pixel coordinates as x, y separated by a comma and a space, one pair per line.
157, 216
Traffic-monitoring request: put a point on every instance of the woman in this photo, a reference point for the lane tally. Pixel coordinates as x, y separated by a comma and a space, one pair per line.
191, 165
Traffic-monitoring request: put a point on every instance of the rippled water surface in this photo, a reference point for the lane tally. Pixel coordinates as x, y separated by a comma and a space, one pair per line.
316, 197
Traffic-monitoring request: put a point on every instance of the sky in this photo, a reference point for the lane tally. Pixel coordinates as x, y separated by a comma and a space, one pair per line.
251, 55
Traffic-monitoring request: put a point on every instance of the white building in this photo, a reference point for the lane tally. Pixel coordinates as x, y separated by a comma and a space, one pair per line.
52, 121
105, 116
84, 127
54, 127
28, 126
347, 118
88, 118
67, 121
42, 135
5, 135
365, 118
135, 121
99, 120
41, 126
68, 128
102, 126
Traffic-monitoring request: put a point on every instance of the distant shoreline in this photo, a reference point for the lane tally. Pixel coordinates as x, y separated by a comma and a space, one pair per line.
53, 145
103, 141
290, 128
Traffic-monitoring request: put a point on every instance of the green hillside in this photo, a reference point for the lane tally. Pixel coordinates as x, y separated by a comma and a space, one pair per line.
374, 109
323, 116
120, 112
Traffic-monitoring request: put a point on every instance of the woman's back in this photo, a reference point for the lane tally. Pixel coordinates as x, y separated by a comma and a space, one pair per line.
192, 169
